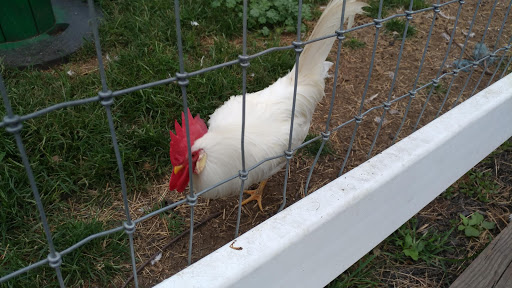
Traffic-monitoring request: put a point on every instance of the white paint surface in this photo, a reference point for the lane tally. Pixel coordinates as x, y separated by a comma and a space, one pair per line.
314, 240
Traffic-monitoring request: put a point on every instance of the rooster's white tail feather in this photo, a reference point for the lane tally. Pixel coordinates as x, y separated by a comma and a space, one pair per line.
311, 61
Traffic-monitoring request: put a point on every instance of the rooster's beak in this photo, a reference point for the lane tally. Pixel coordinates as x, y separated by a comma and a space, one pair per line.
177, 169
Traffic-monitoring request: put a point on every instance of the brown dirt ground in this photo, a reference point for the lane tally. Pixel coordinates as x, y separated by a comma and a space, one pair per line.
154, 233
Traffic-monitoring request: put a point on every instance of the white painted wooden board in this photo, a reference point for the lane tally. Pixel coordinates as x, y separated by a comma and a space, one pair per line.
314, 240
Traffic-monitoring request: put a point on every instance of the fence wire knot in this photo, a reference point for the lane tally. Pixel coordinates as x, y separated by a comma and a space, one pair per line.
326, 135
244, 60
378, 23
340, 34
435, 82
358, 118
412, 93
54, 260
13, 124
408, 15
242, 174
288, 154
192, 200
387, 105
129, 227
461, 2
436, 8
182, 78
106, 98
298, 46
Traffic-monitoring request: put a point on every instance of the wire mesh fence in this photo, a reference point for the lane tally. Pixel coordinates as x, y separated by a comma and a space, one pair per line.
457, 68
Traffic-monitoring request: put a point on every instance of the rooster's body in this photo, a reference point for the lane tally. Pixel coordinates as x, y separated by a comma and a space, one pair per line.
267, 119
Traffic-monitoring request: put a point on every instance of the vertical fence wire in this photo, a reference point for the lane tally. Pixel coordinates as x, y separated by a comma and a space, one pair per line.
459, 62
482, 44
412, 93
340, 35
496, 44
107, 100
435, 81
509, 60
395, 74
244, 62
183, 82
14, 126
358, 118
298, 47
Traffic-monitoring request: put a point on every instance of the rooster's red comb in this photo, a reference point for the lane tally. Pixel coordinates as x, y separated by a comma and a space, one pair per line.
197, 128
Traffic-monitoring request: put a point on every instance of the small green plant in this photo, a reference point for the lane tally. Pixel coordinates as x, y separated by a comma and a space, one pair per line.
175, 222
425, 247
449, 193
395, 25
266, 14
479, 185
473, 226
312, 148
398, 26
354, 43
373, 6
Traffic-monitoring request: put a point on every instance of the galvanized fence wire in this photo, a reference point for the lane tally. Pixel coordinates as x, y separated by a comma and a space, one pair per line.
13, 123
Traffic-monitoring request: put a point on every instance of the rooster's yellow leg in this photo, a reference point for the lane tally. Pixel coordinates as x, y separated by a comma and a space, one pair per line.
256, 194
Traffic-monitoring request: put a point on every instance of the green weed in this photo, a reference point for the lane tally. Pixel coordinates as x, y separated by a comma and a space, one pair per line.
398, 26
354, 43
474, 225
389, 7
264, 15
479, 185
312, 148
373, 6
426, 246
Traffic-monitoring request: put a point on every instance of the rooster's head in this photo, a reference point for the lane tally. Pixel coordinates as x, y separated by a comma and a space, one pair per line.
179, 152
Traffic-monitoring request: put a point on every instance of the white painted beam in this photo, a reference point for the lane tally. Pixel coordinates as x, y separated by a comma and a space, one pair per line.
314, 240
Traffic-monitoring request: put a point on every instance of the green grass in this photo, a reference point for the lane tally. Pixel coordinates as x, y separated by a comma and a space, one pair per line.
477, 184
425, 246
398, 26
389, 7
354, 43
312, 148
93, 263
175, 223
70, 150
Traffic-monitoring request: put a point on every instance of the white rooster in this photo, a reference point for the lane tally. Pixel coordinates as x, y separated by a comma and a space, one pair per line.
216, 149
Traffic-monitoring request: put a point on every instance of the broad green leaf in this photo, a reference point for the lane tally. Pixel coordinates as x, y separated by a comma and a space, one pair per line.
265, 31
254, 12
230, 3
476, 219
461, 227
471, 231
465, 220
488, 225
420, 246
408, 240
411, 253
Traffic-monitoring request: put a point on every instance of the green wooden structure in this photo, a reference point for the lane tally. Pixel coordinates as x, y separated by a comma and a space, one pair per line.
23, 19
